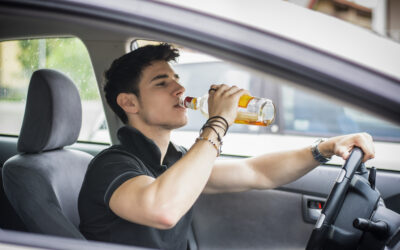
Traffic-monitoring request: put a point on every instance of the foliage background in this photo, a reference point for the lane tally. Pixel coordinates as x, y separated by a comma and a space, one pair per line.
67, 55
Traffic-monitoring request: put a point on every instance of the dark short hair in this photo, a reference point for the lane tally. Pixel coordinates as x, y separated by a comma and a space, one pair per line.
125, 72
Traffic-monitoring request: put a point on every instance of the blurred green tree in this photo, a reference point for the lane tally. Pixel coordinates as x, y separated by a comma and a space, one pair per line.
68, 55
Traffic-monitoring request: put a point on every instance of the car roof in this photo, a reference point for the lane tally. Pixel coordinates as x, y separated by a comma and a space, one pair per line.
308, 27
237, 40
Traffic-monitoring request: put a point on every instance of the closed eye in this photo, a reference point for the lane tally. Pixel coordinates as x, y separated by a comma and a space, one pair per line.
160, 84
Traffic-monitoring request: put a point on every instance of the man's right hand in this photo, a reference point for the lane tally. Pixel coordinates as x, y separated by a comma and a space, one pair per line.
223, 101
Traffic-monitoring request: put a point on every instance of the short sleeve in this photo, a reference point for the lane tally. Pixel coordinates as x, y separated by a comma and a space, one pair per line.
182, 149
109, 171
118, 181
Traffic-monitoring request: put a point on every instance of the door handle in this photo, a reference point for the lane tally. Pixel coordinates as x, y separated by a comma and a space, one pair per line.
311, 208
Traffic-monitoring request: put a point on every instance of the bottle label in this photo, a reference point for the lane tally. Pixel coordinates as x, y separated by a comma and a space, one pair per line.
190, 102
244, 101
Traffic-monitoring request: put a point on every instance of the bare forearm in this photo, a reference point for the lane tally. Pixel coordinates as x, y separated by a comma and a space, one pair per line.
276, 169
177, 189
280, 168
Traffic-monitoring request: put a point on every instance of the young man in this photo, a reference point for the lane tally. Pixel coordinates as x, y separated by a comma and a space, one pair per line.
141, 192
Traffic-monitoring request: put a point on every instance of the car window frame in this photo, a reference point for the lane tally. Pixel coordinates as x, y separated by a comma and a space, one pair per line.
49, 37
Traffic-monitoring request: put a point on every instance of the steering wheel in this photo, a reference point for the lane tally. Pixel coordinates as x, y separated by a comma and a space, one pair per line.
326, 229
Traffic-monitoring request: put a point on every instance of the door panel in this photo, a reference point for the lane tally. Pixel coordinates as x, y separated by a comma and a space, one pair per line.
267, 219
272, 219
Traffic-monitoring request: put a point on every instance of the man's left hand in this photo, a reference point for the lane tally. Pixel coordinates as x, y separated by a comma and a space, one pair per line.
343, 145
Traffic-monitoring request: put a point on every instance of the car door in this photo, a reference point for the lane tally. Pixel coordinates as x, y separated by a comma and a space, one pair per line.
282, 218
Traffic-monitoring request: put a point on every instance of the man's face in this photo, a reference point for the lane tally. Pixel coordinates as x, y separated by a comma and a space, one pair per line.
159, 97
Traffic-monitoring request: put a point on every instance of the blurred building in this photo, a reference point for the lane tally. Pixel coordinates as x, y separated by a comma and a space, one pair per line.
380, 16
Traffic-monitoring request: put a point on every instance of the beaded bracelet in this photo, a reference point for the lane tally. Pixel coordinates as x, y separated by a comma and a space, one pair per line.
217, 116
211, 123
215, 119
213, 143
211, 127
218, 124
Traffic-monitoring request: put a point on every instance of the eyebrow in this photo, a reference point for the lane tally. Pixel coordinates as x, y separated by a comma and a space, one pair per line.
163, 76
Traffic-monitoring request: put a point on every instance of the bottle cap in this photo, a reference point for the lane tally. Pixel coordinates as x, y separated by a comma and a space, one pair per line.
188, 102
182, 101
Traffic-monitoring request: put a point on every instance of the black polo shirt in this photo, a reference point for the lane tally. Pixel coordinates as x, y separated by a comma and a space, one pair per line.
136, 155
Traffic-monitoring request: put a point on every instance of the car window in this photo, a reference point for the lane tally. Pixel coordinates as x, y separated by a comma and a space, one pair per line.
298, 112
302, 116
308, 114
20, 58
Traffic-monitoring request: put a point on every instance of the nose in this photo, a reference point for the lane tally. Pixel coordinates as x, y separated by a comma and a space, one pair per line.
179, 90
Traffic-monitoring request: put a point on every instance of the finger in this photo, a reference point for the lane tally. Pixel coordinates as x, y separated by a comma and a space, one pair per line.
368, 154
213, 86
364, 142
343, 152
241, 92
370, 141
231, 90
221, 89
367, 146
212, 89
234, 90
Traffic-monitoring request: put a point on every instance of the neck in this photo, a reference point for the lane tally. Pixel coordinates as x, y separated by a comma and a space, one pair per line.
159, 135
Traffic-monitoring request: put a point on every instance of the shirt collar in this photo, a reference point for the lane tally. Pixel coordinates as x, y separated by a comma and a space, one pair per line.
144, 148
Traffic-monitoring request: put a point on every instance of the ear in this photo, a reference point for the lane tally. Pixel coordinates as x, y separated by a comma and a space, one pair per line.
128, 102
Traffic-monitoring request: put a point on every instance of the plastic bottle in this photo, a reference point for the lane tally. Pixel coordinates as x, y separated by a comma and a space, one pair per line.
251, 110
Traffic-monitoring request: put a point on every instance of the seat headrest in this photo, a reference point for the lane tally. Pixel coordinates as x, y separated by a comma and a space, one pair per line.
53, 113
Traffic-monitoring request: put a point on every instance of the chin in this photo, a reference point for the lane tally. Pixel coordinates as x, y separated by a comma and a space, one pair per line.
178, 123
181, 124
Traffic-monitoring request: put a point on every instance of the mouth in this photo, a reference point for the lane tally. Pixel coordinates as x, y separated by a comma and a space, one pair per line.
180, 104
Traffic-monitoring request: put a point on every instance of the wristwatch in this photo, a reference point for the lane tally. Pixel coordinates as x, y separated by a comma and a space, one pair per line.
316, 153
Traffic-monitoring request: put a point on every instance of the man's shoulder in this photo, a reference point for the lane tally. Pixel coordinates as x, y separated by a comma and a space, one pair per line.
114, 154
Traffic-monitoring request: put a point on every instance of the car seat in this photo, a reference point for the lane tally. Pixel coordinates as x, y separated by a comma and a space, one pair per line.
43, 181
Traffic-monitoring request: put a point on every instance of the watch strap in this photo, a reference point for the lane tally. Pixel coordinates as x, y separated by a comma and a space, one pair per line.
316, 153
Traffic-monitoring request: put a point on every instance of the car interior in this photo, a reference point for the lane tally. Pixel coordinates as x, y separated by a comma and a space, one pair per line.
44, 159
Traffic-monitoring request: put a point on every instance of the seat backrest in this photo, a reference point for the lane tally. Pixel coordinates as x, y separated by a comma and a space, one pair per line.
9, 219
43, 181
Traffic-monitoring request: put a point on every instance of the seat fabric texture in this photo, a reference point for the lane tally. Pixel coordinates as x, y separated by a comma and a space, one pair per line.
43, 181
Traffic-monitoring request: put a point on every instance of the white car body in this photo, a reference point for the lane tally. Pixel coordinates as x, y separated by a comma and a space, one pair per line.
312, 28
